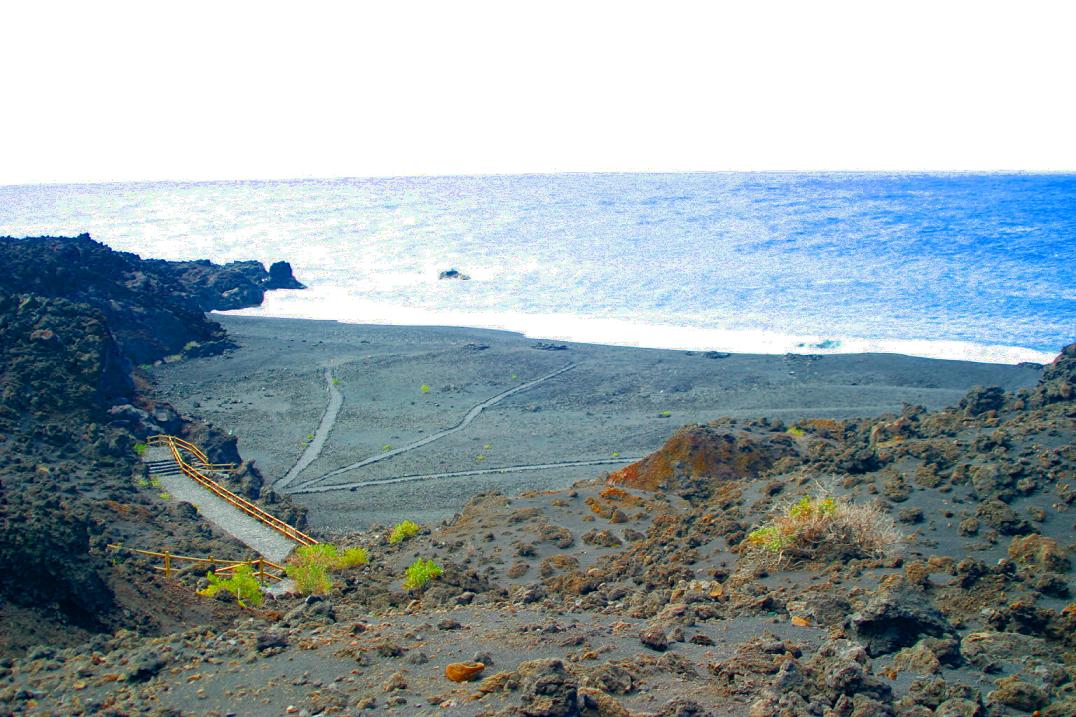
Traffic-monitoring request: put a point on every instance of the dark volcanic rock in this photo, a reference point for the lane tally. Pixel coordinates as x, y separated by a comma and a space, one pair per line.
280, 277
980, 400
453, 274
548, 689
154, 308
896, 619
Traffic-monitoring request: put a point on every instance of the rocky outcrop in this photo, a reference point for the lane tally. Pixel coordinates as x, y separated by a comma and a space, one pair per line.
153, 308
697, 457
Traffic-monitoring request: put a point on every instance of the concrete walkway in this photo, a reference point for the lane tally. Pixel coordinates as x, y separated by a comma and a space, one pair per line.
256, 535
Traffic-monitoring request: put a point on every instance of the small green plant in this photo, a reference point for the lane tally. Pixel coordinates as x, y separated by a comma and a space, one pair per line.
309, 566
795, 432
616, 454
665, 414
140, 449
309, 437
142, 483
480, 458
487, 446
424, 388
310, 579
387, 447
242, 584
403, 531
421, 572
821, 528
164, 495
354, 557
336, 382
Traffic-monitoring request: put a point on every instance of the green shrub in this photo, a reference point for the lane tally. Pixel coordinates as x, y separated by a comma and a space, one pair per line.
353, 557
310, 579
140, 448
795, 432
421, 572
403, 531
242, 584
818, 528
309, 566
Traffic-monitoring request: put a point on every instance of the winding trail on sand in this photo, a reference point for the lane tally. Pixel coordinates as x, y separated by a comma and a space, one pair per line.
458, 474
328, 420
472, 414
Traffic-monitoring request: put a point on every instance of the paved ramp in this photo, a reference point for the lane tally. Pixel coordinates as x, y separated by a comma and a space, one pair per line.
251, 532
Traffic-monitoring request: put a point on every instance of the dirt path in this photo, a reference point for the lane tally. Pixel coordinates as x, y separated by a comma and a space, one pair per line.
472, 414
328, 420
457, 474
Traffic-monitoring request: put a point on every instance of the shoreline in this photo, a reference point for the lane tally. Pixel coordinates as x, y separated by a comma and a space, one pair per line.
623, 332
588, 403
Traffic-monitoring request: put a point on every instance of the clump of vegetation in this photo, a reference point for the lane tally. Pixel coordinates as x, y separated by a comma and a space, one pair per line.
140, 449
242, 584
795, 432
309, 566
403, 531
425, 388
421, 572
818, 528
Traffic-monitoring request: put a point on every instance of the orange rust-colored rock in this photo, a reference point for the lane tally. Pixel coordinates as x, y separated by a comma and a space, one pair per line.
800, 621
464, 671
697, 453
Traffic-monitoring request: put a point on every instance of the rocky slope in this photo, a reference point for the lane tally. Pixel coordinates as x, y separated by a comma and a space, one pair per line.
74, 317
639, 593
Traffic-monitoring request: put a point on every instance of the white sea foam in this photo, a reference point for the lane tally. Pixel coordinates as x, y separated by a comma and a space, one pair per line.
339, 305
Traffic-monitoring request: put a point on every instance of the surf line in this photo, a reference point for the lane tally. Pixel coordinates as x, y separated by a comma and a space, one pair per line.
466, 421
328, 420
461, 474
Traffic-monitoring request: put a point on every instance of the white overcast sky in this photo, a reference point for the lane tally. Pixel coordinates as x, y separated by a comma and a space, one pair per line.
112, 91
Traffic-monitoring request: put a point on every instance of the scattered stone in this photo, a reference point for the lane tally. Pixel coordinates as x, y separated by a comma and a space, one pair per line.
548, 689
1015, 693
270, 639
896, 619
464, 671
396, 681
654, 638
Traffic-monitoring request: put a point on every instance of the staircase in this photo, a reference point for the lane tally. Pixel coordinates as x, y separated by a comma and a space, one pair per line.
185, 472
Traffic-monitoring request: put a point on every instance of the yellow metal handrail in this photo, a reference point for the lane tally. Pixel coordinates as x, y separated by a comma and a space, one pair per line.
254, 511
259, 564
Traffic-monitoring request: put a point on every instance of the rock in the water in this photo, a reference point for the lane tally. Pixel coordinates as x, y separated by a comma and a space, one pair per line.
453, 274
280, 277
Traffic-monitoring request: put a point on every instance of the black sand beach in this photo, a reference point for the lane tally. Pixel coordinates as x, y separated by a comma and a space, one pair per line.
588, 408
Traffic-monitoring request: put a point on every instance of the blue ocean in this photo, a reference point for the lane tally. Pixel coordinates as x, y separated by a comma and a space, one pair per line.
961, 266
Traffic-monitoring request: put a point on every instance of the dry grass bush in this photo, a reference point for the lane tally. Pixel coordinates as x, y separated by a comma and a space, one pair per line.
821, 529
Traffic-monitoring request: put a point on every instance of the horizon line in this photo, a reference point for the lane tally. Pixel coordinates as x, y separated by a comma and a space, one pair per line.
458, 175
